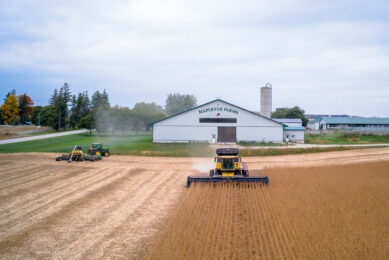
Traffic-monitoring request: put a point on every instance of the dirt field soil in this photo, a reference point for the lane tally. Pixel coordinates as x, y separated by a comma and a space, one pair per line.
111, 208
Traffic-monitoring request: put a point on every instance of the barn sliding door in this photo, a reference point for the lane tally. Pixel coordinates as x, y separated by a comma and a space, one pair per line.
226, 134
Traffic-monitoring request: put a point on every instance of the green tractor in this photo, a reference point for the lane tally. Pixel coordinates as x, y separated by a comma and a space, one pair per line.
99, 150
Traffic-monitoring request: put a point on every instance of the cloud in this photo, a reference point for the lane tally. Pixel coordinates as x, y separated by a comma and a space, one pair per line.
313, 53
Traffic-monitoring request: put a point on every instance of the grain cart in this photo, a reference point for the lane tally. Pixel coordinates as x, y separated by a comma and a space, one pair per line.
229, 168
99, 150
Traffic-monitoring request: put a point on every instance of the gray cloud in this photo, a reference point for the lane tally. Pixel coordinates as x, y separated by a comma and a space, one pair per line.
327, 57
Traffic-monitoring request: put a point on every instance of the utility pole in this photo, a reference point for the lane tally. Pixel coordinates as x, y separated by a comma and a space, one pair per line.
39, 120
59, 121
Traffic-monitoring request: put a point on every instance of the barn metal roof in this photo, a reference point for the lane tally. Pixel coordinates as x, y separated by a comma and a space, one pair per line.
288, 120
314, 120
215, 101
356, 120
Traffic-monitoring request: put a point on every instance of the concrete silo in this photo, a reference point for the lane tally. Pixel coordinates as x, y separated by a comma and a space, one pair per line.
266, 100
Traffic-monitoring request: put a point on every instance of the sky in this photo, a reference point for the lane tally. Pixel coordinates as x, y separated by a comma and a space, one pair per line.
328, 57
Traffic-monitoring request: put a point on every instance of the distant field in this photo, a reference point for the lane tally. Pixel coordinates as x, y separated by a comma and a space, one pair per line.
7, 132
330, 212
341, 138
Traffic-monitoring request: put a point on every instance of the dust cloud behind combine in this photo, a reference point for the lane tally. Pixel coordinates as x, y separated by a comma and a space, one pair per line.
117, 207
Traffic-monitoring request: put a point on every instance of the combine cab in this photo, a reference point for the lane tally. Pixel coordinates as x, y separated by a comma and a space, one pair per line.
99, 150
229, 168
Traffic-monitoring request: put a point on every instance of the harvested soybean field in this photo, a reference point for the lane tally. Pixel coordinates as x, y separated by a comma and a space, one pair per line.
124, 207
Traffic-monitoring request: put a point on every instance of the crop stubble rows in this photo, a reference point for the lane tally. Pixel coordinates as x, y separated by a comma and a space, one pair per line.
81, 211
336, 212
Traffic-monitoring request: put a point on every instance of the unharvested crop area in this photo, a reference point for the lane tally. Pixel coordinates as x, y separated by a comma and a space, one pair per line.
117, 207
326, 212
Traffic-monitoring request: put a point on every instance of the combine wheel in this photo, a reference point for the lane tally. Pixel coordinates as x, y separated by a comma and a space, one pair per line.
107, 154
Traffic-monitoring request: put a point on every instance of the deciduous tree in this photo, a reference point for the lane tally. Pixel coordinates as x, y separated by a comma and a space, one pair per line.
25, 107
10, 109
176, 103
286, 112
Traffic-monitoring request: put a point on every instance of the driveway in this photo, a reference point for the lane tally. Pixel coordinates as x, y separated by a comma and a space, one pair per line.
37, 137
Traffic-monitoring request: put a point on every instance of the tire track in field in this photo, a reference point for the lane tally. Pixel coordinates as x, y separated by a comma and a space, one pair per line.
114, 221
27, 176
139, 221
55, 202
45, 197
57, 218
16, 192
13, 169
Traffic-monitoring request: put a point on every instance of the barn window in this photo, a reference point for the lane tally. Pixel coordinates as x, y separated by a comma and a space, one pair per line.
217, 120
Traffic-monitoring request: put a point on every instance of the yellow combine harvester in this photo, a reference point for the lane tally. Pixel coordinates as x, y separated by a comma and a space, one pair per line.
229, 167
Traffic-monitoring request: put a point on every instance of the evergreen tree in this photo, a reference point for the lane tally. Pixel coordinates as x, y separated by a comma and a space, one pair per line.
100, 100
74, 113
85, 108
13, 92
59, 107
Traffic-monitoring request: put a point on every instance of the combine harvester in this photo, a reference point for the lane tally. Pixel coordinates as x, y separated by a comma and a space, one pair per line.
229, 168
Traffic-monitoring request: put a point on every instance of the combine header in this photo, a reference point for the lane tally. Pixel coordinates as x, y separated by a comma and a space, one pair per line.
229, 168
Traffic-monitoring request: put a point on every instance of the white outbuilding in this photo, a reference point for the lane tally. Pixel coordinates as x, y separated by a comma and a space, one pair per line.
218, 121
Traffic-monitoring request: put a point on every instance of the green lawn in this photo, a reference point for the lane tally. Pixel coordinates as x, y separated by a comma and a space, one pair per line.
341, 138
142, 145
129, 145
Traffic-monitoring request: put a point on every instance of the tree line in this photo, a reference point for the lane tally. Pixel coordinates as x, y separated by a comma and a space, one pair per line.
78, 110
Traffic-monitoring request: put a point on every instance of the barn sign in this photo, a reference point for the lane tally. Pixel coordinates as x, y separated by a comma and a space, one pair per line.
218, 109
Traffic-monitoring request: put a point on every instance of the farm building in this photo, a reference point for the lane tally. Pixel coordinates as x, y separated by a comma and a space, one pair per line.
356, 123
294, 130
292, 122
314, 124
218, 121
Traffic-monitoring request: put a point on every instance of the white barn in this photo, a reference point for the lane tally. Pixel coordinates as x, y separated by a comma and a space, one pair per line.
218, 121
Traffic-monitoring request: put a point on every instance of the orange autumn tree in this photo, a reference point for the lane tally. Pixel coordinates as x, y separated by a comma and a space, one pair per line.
10, 109
25, 107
